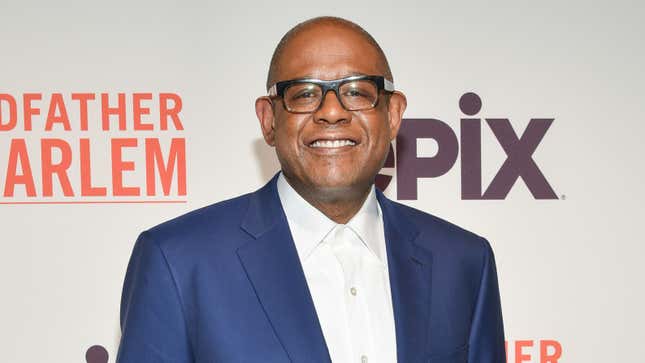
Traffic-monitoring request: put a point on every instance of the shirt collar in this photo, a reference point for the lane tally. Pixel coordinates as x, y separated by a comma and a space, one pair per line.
309, 226
368, 225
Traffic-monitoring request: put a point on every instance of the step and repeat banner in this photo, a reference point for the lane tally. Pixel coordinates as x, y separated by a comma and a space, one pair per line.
524, 125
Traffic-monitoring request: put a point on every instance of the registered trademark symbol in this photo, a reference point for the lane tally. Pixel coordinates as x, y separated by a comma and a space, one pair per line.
563, 197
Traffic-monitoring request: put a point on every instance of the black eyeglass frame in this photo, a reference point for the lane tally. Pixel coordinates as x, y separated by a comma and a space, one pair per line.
382, 84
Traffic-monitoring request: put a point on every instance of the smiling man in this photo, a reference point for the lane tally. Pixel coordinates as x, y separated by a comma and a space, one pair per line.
317, 265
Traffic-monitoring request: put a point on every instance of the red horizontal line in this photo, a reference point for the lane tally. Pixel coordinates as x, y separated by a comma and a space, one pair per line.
99, 202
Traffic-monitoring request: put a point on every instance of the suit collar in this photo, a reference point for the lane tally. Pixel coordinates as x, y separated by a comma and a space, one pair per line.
399, 223
273, 268
410, 267
264, 209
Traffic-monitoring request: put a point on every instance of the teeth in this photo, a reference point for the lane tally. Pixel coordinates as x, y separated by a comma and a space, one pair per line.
332, 143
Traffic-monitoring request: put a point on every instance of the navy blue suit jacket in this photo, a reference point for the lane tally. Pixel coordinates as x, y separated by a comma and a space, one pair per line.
224, 284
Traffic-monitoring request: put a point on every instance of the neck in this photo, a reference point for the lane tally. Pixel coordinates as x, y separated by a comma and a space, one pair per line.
338, 205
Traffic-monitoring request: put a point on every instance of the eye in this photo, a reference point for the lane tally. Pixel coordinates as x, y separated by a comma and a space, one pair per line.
354, 92
305, 94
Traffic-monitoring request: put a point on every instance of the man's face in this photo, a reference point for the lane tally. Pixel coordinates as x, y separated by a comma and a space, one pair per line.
307, 160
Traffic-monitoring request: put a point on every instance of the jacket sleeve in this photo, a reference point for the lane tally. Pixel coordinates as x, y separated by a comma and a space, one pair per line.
486, 341
153, 327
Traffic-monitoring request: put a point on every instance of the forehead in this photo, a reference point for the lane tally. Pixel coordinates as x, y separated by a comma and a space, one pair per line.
328, 52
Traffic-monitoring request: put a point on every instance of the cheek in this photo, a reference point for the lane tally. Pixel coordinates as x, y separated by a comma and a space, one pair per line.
287, 144
379, 146
287, 131
379, 133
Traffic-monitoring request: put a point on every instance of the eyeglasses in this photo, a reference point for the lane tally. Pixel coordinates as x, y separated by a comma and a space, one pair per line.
355, 93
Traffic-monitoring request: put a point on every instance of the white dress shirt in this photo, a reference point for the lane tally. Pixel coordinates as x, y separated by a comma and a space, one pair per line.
345, 266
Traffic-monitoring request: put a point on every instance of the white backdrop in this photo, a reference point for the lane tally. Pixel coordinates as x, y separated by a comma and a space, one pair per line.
570, 269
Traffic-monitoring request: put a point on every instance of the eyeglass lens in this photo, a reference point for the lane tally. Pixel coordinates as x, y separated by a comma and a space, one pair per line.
353, 95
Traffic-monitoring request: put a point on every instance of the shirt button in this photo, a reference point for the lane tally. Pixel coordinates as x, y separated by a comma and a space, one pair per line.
353, 292
363, 359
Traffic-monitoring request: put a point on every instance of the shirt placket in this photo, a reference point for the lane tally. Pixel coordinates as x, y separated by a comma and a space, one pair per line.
353, 255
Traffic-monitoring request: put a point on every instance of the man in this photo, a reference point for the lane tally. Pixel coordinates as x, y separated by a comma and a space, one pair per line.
317, 265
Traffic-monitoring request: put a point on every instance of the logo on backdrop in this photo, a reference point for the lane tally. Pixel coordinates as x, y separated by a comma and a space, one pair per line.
92, 148
519, 163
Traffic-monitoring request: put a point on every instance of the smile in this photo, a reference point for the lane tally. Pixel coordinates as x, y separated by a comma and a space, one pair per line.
332, 143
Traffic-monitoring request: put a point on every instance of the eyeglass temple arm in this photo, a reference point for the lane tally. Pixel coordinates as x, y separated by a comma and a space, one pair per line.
273, 91
388, 85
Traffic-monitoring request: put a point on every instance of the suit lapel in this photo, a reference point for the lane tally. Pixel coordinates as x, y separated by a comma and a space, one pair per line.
272, 265
410, 268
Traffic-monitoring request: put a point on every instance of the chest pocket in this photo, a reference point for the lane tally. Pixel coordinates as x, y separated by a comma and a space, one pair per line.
459, 355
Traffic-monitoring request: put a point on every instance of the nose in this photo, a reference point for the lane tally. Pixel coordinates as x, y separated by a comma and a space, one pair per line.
331, 110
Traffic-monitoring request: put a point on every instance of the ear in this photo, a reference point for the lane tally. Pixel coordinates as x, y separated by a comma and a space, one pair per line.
395, 110
264, 112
